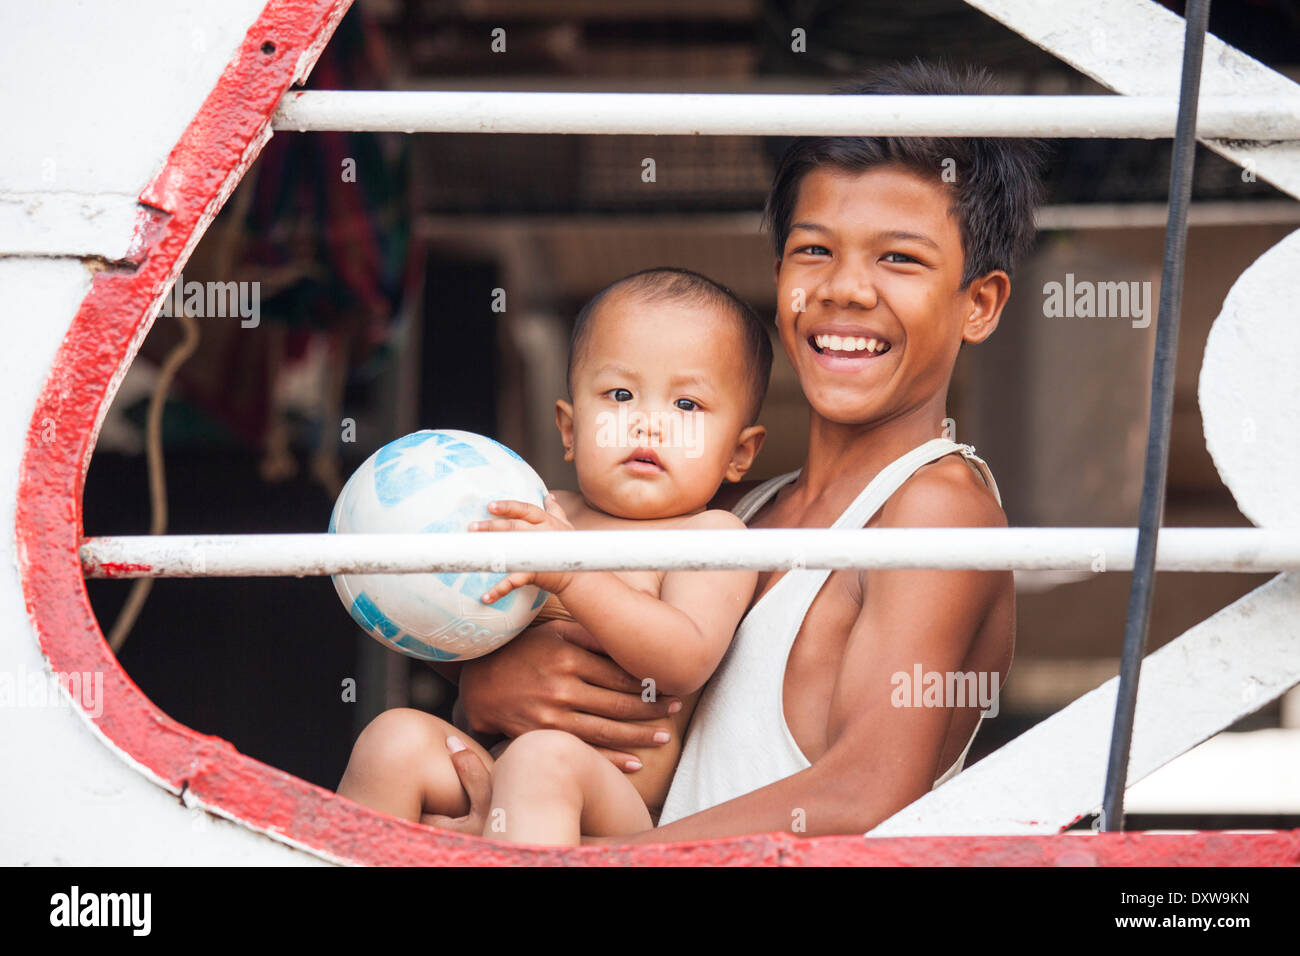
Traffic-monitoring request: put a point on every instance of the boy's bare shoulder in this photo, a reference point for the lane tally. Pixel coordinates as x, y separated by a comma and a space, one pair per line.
943, 494
715, 519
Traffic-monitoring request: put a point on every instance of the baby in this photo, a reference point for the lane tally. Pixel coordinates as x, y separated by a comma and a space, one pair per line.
667, 372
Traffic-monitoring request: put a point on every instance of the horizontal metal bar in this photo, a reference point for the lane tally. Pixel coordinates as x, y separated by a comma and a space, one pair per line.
766, 114
990, 549
1117, 215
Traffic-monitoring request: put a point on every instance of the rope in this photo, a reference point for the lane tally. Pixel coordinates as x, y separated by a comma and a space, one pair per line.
157, 477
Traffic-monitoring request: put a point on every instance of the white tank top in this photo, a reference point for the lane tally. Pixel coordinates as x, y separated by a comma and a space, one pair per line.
738, 739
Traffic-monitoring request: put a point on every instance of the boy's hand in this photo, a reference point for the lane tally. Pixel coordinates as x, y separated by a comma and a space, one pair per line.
521, 516
476, 780
546, 678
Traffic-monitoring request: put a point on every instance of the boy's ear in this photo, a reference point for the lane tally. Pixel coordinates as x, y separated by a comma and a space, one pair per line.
987, 296
564, 422
747, 448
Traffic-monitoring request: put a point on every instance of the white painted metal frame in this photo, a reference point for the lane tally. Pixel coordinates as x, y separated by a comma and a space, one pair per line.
990, 549
84, 141
765, 114
1126, 46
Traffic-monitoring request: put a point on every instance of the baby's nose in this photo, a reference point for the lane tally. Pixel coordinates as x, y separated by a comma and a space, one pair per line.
643, 428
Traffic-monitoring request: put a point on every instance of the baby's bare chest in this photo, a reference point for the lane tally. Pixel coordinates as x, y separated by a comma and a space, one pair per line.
648, 581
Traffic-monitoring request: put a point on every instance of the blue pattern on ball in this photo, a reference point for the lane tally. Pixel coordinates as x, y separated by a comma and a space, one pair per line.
394, 483
417, 648
475, 584
365, 613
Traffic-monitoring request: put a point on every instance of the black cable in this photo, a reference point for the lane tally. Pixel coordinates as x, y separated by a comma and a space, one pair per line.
1162, 392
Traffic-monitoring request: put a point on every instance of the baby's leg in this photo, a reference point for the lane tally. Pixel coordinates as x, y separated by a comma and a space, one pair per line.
550, 788
400, 765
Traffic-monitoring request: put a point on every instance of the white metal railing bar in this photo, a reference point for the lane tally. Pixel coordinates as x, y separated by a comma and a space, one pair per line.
1269, 118
1255, 550
1101, 215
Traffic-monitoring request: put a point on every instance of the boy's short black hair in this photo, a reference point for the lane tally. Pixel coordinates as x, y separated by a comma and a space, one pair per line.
664, 283
996, 181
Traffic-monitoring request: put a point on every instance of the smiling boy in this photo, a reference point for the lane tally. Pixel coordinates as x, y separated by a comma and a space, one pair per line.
890, 255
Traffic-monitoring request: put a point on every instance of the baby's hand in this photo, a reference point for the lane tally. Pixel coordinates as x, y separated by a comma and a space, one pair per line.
521, 516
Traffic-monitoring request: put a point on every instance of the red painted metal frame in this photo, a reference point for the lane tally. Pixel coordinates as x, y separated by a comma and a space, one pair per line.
213, 153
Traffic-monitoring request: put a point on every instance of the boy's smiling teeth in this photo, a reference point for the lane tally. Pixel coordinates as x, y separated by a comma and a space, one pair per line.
849, 343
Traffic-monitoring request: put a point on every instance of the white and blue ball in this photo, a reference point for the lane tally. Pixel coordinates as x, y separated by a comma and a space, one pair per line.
432, 482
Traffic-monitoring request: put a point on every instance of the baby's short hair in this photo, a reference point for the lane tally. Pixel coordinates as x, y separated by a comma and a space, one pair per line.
994, 182
667, 284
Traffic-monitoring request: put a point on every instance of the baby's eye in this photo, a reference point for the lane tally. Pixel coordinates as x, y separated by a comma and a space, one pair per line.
686, 404
620, 394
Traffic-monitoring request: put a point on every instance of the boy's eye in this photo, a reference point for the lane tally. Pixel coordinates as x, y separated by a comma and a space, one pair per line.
814, 250
686, 404
898, 257
620, 394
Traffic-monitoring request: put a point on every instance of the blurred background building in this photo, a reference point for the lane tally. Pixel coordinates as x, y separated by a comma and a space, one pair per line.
381, 313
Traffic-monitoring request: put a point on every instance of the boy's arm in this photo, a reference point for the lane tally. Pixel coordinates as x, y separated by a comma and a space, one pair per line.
549, 677
676, 639
879, 757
